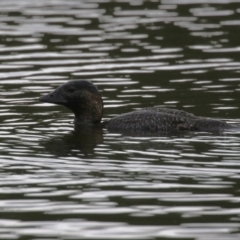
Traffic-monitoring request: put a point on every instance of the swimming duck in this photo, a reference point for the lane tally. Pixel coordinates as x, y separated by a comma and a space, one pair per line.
85, 101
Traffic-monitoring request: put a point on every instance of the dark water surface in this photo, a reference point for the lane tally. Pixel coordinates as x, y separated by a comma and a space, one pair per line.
59, 184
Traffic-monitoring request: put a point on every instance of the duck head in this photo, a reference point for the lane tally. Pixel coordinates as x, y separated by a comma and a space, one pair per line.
81, 97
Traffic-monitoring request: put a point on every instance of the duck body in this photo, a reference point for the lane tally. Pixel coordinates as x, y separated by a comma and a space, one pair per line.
83, 98
164, 120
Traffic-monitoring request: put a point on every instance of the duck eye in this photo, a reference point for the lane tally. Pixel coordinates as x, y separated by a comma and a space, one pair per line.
71, 89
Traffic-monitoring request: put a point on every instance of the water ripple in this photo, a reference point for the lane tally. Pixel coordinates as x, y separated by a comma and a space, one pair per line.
60, 184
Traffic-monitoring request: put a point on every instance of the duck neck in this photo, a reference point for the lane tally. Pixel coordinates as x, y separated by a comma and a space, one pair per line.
89, 114
86, 119
88, 108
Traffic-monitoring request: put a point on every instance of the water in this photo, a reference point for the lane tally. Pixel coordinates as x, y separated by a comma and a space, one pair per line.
59, 184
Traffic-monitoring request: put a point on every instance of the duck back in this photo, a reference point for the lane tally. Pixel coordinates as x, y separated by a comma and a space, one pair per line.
163, 120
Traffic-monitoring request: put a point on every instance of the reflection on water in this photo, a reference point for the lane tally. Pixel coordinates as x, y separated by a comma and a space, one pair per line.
80, 140
59, 183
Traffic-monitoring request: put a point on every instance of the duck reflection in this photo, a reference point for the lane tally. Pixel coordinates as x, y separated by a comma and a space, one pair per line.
80, 141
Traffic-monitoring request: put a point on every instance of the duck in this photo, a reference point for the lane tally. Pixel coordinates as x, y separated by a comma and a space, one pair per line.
84, 100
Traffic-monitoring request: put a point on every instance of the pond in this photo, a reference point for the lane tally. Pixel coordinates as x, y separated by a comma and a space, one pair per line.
57, 183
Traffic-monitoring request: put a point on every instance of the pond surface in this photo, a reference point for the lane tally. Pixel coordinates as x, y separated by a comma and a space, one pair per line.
59, 184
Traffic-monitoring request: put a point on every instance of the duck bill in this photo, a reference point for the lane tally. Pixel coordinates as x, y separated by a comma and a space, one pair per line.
53, 97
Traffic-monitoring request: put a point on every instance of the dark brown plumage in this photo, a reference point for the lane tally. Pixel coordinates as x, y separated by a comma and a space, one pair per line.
164, 120
83, 98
